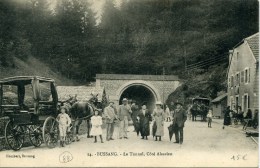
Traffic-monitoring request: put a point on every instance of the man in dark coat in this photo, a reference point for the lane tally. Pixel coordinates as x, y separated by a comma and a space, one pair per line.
179, 119
135, 111
144, 119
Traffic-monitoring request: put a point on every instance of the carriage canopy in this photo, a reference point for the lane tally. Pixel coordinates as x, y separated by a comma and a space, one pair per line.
201, 100
27, 92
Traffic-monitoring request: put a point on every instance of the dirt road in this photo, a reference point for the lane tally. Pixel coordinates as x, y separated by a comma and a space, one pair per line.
202, 146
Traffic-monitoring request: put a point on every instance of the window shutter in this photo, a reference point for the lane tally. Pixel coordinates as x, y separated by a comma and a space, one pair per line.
248, 74
248, 100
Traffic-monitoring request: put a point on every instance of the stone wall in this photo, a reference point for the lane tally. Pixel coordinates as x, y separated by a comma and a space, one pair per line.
160, 89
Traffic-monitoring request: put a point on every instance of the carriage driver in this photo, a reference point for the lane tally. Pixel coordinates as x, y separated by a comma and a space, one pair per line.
64, 122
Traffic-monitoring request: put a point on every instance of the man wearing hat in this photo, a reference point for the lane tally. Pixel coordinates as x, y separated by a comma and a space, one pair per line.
179, 119
135, 111
110, 116
124, 115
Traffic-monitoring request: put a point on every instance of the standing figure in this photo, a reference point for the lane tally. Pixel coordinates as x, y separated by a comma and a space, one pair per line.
167, 113
209, 116
144, 118
124, 115
158, 116
64, 122
110, 115
171, 107
96, 130
179, 119
227, 119
135, 110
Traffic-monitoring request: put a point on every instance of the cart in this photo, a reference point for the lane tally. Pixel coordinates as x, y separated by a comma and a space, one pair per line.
30, 104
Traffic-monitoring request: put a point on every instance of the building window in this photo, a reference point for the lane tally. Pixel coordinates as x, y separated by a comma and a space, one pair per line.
246, 102
238, 79
232, 81
216, 105
247, 75
242, 76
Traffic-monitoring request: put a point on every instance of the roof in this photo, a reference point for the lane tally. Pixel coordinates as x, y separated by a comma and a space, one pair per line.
16, 80
219, 98
253, 42
83, 92
137, 77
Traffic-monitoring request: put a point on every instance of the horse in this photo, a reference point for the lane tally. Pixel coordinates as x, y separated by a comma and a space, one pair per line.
193, 110
80, 111
199, 110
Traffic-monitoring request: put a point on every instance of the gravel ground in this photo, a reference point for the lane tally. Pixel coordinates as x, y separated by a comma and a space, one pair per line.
202, 146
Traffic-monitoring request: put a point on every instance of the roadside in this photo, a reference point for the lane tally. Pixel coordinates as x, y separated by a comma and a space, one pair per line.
239, 127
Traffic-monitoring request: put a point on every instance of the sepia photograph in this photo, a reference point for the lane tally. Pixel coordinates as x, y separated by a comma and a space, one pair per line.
129, 83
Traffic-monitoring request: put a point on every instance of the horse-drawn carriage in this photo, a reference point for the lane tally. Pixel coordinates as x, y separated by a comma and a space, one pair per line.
200, 106
29, 106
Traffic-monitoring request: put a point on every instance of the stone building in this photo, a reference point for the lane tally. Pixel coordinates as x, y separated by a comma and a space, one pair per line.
141, 88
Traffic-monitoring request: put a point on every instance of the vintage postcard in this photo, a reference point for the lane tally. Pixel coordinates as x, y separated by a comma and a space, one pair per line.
129, 83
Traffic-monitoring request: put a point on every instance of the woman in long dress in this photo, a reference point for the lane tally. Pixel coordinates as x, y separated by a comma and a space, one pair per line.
144, 118
158, 115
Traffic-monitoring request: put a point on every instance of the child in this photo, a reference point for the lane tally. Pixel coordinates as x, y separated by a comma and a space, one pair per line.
96, 130
209, 116
64, 121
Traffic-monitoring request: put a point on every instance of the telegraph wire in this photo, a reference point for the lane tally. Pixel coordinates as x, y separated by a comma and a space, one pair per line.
219, 56
206, 64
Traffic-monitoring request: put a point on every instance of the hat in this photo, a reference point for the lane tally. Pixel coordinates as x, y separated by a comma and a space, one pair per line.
158, 103
124, 99
176, 103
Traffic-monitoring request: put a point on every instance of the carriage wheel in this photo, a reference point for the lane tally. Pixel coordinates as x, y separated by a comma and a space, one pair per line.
14, 136
50, 132
69, 138
35, 135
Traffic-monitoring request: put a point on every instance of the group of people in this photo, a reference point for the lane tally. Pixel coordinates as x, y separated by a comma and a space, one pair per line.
237, 114
142, 119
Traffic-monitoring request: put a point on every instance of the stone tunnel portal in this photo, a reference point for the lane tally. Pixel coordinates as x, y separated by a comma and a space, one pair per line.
141, 95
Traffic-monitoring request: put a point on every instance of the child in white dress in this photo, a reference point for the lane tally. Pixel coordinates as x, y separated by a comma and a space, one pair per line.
96, 129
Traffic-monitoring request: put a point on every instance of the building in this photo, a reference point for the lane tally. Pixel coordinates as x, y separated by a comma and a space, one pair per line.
219, 104
243, 74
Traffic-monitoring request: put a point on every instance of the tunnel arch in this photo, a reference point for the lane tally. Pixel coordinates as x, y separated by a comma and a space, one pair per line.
146, 86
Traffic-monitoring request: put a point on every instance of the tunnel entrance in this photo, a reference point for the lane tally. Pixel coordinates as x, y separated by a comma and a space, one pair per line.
140, 94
